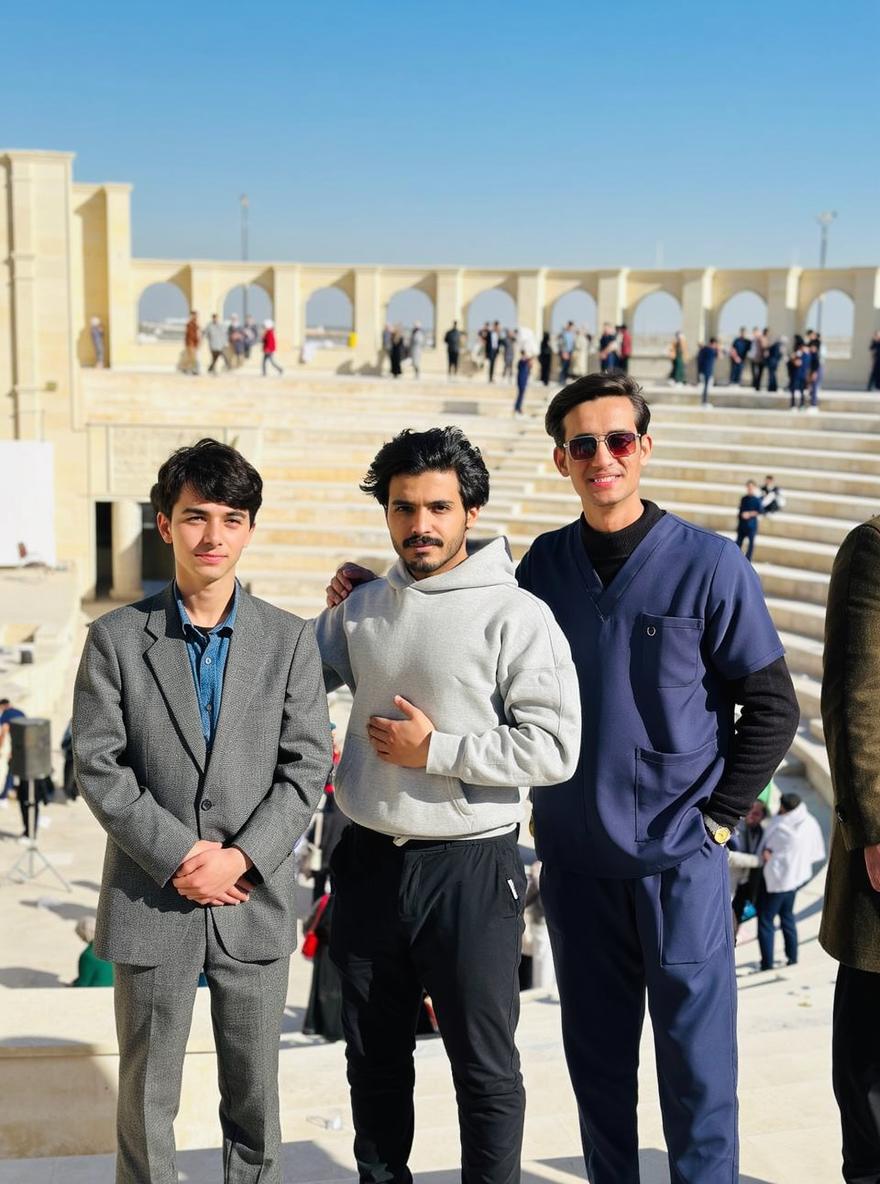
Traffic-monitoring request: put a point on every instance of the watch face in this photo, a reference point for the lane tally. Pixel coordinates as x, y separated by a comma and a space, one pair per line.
722, 834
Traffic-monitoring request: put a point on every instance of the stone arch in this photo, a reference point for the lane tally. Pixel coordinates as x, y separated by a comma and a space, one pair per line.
329, 315
655, 319
251, 298
492, 304
835, 322
161, 312
745, 307
409, 305
578, 306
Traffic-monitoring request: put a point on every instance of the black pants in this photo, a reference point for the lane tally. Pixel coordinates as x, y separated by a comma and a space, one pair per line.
216, 355
446, 917
747, 533
855, 1070
492, 358
452, 360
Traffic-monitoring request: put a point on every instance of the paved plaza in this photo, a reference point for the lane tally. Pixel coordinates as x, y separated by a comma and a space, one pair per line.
788, 1117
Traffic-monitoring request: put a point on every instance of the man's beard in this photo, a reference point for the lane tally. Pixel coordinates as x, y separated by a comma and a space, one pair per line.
423, 564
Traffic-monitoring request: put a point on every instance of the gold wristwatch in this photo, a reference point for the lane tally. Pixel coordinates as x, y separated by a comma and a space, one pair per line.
719, 833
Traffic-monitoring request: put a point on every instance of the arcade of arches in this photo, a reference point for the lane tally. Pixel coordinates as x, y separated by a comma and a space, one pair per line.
66, 254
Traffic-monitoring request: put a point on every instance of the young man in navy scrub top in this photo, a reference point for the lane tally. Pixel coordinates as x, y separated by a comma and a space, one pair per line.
669, 631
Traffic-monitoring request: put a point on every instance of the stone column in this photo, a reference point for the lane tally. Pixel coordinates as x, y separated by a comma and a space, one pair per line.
611, 301
530, 300
126, 528
284, 283
696, 304
866, 322
447, 306
782, 300
367, 314
120, 326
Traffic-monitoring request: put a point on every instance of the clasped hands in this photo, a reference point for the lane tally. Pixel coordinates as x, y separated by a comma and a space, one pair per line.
212, 874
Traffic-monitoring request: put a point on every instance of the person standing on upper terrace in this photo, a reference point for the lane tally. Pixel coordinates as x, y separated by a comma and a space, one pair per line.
669, 633
269, 346
216, 337
874, 373
707, 356
739, 349
189, 363
453, 344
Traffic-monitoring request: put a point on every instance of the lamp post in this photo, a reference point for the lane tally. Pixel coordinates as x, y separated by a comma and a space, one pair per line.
824, 219
244, 245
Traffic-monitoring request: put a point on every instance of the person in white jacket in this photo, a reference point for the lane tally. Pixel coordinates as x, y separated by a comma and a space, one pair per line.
464, 693
793, 844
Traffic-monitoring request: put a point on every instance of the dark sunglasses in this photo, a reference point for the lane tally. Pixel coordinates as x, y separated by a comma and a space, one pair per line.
618, 444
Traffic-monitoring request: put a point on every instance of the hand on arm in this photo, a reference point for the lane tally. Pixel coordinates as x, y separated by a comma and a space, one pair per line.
347, 577
213, 874
403, 742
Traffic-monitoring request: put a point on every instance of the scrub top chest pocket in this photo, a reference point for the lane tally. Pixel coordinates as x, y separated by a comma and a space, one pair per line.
670, 649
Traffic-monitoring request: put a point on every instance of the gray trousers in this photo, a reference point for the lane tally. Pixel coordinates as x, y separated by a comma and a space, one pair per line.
154, 1007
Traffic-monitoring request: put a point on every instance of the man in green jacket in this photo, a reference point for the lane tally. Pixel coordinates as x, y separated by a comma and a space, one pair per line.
850, 929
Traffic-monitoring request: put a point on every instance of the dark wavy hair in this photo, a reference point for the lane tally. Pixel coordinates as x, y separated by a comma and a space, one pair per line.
215, 471
436, 450
595, 386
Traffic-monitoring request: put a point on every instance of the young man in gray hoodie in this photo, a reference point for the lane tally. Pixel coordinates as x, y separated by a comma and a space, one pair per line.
464, 691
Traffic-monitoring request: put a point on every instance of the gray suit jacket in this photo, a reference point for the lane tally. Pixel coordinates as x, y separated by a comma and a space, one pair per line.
141, 765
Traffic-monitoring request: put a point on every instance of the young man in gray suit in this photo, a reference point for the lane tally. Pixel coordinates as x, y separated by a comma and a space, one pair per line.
202, 745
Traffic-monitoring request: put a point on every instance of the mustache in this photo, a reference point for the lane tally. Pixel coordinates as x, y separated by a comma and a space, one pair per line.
423, 540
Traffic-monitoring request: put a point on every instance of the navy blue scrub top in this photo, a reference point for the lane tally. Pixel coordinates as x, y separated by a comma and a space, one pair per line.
683, 617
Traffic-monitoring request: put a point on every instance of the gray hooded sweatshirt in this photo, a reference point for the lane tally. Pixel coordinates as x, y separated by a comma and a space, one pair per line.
488, 665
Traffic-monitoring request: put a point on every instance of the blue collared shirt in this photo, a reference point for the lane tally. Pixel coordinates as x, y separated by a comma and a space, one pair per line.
208, 650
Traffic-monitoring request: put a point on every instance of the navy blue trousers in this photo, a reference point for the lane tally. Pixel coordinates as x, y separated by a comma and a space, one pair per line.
668, 938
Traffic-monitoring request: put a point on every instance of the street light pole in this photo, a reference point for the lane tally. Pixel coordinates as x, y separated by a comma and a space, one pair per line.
824, 219
244, 245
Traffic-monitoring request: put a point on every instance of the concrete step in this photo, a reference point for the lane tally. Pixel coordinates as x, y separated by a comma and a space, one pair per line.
828, 510
803, 654
811, 751
790, 583
775, 458
808, 692
827, 421
797, 617
707, 468
761, 435
831, 401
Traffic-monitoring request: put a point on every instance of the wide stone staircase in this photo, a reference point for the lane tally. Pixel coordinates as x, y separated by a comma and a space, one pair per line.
313, 439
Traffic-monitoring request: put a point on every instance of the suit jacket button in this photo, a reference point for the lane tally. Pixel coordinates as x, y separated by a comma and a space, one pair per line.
841, 816
206, 804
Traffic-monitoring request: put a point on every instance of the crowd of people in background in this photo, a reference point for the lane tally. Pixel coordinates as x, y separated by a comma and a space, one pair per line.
228, 342
803, 357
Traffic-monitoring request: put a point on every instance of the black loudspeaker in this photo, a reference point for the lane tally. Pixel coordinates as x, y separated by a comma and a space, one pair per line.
31, 749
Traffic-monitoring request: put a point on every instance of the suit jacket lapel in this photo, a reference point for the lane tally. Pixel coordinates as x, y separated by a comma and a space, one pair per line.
169, 662
248, 653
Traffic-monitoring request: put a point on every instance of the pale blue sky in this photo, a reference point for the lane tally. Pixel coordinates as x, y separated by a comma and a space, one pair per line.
568, 134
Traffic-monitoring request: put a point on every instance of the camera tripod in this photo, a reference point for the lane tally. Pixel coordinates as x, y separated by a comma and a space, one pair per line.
32, 862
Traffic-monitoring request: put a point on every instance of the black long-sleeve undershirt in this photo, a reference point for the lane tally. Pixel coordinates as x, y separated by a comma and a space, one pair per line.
769, 713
